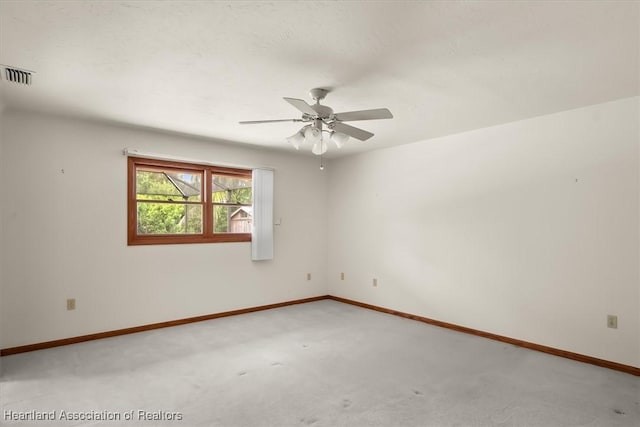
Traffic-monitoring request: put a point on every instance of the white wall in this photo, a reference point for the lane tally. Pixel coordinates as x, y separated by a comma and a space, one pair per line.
488, 229
1, 223
65, 234
527, 230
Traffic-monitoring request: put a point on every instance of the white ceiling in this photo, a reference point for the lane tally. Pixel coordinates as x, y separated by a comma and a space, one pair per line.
200, 67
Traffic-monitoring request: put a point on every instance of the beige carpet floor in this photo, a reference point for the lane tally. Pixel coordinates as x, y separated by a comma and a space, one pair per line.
317, 364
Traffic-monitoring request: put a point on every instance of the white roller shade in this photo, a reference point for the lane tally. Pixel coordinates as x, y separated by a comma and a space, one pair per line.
262, 230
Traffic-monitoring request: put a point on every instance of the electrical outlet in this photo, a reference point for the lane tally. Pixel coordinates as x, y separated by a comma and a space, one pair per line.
375, 283
612, 321
308, 276
71, 304
341, 276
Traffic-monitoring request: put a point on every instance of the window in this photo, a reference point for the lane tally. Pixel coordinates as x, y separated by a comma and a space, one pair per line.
174, 202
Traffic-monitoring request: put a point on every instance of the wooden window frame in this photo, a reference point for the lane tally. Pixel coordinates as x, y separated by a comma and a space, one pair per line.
208, 235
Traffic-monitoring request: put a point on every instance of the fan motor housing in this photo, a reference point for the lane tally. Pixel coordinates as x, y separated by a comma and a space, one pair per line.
323, 111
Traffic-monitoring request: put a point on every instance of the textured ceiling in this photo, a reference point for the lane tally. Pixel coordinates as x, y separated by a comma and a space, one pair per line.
200, 67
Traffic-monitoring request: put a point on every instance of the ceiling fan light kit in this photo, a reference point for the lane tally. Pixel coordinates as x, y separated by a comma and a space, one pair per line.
339, 138
319, 147
318, 116
297, 138
313, 134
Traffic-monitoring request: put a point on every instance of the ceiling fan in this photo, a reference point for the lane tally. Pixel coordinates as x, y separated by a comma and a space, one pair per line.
319, 116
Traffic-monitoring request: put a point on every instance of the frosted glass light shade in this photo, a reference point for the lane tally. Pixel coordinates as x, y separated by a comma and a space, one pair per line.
312, 134
339, 138
296, 139
319, 147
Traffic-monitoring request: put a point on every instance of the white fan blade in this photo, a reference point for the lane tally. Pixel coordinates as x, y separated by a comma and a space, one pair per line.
355, 132
301, 105
379, 113
252, 122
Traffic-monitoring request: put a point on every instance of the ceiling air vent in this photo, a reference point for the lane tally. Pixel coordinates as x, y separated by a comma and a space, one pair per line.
16, 75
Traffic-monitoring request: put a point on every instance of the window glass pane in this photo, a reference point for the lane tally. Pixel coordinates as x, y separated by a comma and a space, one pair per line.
169, 218
229, 189
168, 185
176, 202
232, 219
